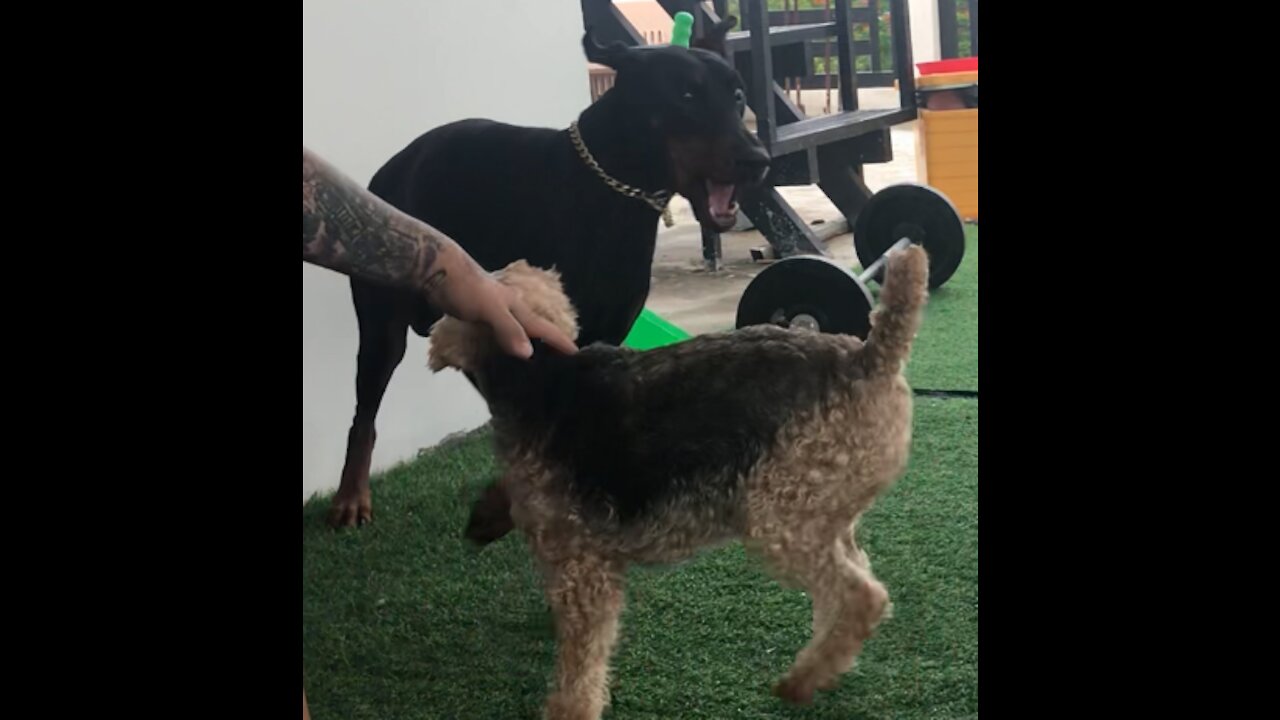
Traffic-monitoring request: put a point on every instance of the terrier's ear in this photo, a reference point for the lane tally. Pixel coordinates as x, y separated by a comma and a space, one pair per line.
457, 344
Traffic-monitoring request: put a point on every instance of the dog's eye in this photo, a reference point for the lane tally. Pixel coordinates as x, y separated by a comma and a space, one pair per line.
688, 96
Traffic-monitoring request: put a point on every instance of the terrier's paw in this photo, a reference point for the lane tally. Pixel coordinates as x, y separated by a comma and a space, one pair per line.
795, 690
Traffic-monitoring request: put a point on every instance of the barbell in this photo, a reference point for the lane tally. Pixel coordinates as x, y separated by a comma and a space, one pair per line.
816, 293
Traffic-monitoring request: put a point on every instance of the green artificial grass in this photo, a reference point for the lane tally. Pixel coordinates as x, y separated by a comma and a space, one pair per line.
403, 619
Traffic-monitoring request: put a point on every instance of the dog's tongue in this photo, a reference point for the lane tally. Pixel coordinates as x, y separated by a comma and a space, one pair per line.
718, 198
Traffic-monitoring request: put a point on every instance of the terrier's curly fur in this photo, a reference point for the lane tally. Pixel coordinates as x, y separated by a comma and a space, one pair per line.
780, 438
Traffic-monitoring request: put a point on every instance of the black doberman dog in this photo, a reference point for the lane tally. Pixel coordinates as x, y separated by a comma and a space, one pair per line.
584, 200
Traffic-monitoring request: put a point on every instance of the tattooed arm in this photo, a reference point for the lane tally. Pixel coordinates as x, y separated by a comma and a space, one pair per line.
349, 229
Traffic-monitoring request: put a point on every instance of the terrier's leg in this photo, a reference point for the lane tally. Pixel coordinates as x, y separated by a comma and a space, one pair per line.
848, 604
586, 597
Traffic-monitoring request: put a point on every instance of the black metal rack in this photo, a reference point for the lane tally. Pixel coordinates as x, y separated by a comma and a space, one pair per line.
828, 151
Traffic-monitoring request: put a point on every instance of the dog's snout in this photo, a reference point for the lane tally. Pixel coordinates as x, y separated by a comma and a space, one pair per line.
753, 163
755, 157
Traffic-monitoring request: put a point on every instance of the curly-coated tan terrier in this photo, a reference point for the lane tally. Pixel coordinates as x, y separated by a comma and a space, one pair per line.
780, 438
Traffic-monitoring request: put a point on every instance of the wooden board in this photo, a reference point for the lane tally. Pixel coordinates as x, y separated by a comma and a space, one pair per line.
950, 121
947, 156
957, 78
649, 19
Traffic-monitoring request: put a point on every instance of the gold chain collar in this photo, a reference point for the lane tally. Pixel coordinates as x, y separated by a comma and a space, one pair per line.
658, 201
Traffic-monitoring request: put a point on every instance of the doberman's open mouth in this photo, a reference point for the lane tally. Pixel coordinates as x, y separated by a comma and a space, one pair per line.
722, 203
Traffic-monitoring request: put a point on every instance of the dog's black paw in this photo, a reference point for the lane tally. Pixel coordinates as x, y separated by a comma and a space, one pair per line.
350, 510
490, 519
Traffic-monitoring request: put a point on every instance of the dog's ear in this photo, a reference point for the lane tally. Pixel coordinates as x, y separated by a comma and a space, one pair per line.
615, 55
457, 344
713, 39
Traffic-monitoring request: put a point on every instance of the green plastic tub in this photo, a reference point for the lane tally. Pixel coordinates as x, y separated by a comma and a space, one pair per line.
651, 331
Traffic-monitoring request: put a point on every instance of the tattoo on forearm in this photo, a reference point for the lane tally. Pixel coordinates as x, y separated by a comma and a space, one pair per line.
346, 228
434, 282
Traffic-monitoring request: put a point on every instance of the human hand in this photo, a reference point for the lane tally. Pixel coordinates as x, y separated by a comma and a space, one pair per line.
469, 293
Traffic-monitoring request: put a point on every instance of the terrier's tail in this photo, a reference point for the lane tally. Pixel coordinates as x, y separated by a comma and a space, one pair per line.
895, 322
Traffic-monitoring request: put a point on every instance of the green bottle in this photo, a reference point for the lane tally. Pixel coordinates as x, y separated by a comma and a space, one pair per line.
682, 30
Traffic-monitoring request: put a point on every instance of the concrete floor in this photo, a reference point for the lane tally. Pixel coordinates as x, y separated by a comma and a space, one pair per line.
698, 301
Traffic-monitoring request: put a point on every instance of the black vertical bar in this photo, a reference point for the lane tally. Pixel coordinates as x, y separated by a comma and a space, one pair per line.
674, 6
842, 182
901, 28
973, 28
844, 52
948, 30
873, 30
700, 26
761, 71
711, 249
721, 7
809, 57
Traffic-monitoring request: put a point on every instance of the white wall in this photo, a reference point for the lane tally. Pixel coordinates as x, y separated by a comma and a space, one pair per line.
375, 75
925, 45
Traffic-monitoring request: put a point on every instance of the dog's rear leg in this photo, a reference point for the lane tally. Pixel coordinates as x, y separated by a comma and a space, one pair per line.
848, 603
823, 610
384, 329
586, 598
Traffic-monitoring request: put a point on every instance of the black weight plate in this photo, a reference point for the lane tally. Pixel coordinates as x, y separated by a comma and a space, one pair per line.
916, 211
807, 289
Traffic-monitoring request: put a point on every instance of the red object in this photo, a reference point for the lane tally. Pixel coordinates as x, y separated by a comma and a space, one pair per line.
969, 64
